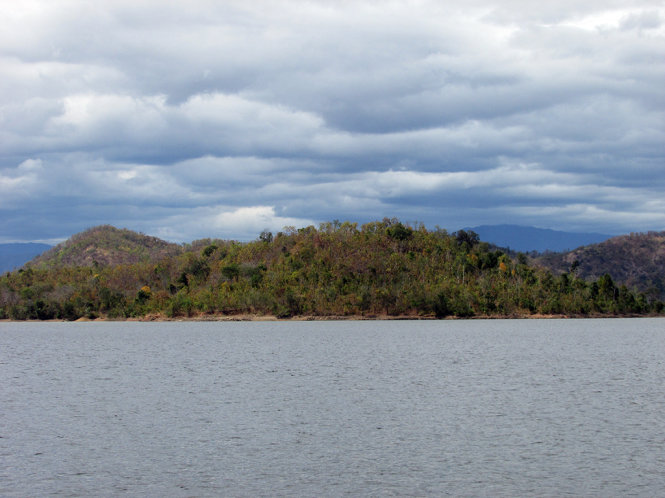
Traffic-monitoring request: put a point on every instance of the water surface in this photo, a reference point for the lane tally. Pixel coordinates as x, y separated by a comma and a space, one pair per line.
484, 408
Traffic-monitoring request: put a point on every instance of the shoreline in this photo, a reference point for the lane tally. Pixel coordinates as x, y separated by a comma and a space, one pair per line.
317, 318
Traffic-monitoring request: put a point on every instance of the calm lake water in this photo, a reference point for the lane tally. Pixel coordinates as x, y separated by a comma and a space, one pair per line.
481, 408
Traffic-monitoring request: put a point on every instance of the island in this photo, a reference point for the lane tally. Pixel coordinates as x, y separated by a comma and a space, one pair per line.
382, 269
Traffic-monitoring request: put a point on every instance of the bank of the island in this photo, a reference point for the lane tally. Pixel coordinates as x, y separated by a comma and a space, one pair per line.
384, 270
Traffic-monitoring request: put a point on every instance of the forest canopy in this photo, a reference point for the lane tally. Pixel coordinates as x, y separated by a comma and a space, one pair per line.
382, 268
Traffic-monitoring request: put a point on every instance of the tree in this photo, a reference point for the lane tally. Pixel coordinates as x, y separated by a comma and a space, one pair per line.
466, 238
231, 271
399, 232
606, 286
266, 236
574, 266
209, 250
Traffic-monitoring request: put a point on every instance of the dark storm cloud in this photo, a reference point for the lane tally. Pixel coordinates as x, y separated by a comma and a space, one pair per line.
221, 119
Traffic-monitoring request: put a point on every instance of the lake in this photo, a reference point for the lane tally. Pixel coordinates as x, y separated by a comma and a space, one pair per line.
359, 408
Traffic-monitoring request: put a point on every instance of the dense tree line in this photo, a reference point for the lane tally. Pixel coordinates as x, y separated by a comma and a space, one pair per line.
337, 269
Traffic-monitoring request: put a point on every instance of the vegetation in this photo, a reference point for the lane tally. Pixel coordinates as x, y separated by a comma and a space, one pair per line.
339, 269
637, 260
105, 246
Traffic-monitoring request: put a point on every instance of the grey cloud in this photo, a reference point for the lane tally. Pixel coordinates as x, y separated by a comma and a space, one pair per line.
176, 121
646, 20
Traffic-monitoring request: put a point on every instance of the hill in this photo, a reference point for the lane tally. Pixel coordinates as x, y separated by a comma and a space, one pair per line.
383, 268
106, 245
636, 260
15, 255
528, 239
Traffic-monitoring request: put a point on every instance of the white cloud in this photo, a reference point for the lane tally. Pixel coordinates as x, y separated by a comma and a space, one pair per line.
254, 219
19, 185
245, 223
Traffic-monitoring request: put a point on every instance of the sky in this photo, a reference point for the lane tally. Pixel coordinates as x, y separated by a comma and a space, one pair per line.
203, 118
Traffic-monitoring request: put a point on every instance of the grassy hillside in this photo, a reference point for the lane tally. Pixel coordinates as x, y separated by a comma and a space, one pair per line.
636, 260
106, 246
381, 268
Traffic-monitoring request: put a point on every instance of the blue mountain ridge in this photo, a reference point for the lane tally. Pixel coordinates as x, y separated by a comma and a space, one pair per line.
527, 239
17, 254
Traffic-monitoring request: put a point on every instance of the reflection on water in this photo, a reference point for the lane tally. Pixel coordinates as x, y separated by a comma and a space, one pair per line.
508, 407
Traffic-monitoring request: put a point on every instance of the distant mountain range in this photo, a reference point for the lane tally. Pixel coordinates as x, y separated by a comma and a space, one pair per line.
15, 255
527, 239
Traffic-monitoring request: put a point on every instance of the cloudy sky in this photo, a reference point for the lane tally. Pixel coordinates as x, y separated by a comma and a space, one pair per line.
221, 118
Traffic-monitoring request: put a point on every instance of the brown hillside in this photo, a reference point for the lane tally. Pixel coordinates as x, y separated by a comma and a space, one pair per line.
106, 245
636, 260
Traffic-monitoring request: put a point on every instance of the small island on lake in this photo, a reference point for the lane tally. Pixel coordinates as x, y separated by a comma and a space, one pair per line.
382, 269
